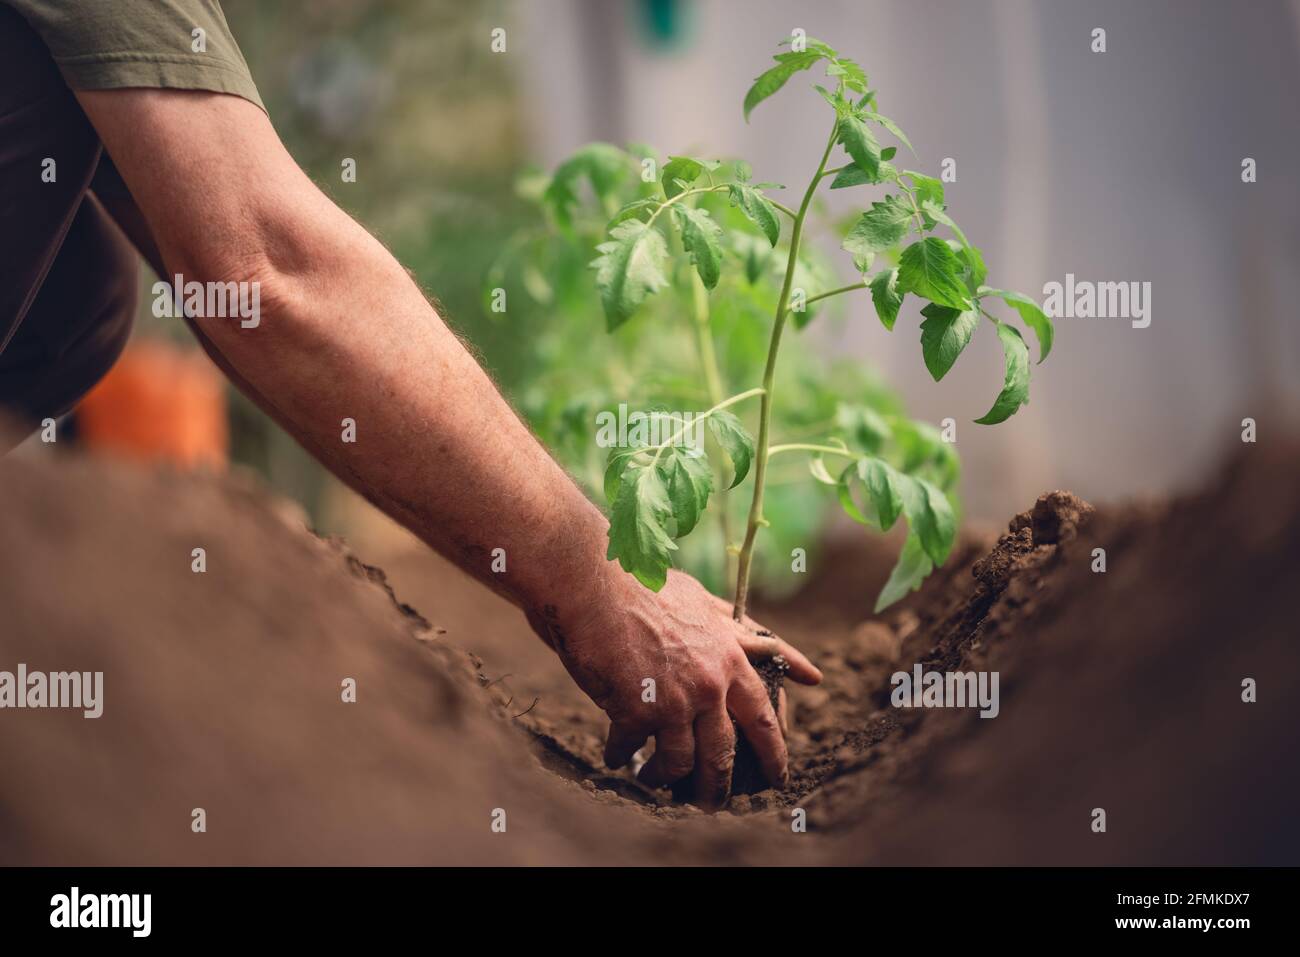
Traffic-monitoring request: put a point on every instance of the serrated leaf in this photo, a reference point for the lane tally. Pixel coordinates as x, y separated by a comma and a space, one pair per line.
879, 228
638, 537
854, 176
701, 238
945, 333
769, 82
1030, 313
932, 271
887, 297
890, 125
629, 269
926, 187
911, 569
735, 441
837, 102
744, 172
689, 481
858, 142
1015, 387
757, 209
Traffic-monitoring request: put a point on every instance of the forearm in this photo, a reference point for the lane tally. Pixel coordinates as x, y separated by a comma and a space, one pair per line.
436, 446
344, 333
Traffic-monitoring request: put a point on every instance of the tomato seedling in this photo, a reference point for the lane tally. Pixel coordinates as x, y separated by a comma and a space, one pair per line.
893, 468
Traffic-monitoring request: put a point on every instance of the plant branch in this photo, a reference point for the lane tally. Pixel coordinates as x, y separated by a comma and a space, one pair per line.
783, 208
836, 292
676, 436
672, 200
806, 447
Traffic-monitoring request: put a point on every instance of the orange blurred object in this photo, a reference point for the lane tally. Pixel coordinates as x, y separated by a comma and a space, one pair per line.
160, 402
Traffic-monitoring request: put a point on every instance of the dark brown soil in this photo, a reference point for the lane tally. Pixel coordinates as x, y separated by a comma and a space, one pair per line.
1120, 691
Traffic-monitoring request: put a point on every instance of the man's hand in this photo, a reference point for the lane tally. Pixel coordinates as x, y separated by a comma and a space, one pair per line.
686, 642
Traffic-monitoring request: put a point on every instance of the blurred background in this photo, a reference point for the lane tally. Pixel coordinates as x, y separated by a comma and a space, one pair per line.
1115, 166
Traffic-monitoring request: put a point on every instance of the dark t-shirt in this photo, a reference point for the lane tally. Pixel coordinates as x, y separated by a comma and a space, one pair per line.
170, 44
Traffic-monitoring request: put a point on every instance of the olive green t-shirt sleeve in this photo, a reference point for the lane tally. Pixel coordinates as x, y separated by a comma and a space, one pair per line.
168, 44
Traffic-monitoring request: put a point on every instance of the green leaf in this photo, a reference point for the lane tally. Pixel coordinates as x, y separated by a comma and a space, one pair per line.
944, 334
617, 463
884, 492
932, 527
886, 295
758, 209
637, 534
977, 271
879, 228
689, 480
744, 172
932, 271
890, 125
854, 176
768, 83
680, 170
735, 441
932, 519
844, 489
933, 213
817, 467
632, 210
853, 75
922, 447
883, 485
1030, 314
864, 425
604, 166
911, 569
927, 187
701, 237
1015, 388
630, 268
861, 146
836, 99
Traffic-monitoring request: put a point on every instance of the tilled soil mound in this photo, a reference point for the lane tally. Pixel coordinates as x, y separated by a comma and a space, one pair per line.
1119, 691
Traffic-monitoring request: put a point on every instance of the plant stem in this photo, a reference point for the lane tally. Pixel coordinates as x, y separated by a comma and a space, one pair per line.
713, 381
672, 200
835, 292
805, 447
769, 375
718, 407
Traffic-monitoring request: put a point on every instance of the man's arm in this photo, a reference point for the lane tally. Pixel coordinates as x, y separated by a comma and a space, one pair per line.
345, 333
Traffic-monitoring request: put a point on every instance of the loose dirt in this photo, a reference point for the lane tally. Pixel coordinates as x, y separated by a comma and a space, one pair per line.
1119, 690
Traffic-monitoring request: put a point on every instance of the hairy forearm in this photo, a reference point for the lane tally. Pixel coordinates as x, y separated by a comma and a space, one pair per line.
344, 333
348, 335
